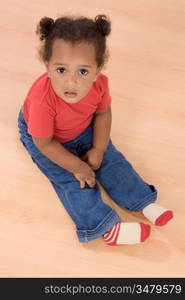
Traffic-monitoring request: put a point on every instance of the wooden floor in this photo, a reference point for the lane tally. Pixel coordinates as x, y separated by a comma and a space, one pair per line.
147, 81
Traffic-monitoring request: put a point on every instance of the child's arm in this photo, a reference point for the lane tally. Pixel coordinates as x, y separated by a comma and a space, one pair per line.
58, 154
102, 128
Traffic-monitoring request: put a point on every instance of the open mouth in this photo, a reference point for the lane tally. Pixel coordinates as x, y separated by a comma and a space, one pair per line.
70, 94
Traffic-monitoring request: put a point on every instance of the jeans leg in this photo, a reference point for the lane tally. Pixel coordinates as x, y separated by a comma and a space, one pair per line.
124, 185
90, 214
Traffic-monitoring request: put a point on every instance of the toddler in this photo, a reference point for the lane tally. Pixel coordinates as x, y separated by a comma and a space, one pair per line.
64, 124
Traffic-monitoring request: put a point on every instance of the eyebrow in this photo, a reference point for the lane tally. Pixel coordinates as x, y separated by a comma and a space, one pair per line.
57, 64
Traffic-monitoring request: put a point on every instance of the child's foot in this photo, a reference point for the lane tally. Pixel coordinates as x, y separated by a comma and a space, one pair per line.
127, 233
157, 214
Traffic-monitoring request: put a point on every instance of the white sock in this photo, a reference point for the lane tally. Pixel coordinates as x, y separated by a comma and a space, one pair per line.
157, 214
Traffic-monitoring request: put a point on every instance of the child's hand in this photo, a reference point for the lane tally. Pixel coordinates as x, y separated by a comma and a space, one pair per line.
93, 158
85, 174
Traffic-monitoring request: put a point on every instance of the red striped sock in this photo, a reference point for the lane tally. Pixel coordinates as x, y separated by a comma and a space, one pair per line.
127, 233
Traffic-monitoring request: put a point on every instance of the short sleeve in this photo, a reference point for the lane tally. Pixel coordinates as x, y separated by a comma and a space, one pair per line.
41, 120
105, 94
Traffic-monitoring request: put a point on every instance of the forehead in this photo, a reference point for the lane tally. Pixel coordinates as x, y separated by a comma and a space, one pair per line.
68, 51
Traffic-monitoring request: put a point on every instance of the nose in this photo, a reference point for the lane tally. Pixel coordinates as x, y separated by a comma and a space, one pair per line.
71, 79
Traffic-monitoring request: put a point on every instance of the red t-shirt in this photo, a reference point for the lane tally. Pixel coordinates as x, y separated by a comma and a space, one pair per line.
46, 114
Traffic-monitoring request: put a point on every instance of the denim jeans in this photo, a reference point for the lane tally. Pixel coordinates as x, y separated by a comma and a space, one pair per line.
91, 215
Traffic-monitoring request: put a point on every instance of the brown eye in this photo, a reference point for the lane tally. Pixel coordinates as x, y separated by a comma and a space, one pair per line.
61, 70
83, 72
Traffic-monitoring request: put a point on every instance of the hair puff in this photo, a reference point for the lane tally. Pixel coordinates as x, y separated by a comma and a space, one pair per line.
45, 27
103, 24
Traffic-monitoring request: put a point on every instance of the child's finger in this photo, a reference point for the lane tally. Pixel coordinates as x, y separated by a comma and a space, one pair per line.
82, 184
91, 183
96, 168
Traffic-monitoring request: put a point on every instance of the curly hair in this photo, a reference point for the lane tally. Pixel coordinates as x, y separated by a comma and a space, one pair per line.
75, 30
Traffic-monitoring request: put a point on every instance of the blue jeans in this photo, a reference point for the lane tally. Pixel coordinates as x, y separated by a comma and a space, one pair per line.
91, 215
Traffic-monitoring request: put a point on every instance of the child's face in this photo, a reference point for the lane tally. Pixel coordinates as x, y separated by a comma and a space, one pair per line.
72, 69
